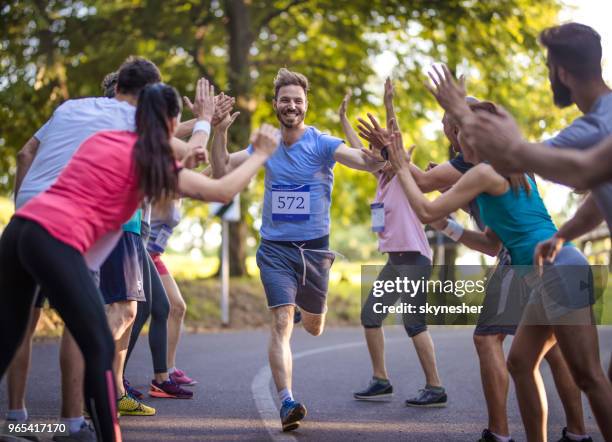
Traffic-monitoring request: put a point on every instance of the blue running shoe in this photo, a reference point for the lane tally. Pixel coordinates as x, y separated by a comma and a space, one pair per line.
297, 315
291, 413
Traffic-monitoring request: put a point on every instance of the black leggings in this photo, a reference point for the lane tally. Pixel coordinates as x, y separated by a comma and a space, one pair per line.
158, 307
29, 255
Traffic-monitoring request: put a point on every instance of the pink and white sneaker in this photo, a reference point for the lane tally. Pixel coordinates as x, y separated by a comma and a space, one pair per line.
180, 377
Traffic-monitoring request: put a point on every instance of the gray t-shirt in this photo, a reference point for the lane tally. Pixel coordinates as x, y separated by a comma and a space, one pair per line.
585, 132
71, 124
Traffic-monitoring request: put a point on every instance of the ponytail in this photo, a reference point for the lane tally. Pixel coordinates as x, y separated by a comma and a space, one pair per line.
153, 156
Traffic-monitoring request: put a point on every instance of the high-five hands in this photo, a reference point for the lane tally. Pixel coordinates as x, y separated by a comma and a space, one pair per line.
449, 93
203, 106
398, 157
265, 139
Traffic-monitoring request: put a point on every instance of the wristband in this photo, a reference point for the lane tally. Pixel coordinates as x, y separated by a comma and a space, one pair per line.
201, 126
453, 230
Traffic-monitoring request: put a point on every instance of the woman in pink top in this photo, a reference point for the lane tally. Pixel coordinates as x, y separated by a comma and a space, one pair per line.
401, 236
106, 180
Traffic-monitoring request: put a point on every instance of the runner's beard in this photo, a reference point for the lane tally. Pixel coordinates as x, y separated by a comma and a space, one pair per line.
562, 95
299, 117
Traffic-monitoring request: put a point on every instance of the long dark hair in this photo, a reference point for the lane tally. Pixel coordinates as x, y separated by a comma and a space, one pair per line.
153, 156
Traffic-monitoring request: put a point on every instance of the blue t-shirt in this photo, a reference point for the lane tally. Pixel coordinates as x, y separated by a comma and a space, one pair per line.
299, 172
585, 132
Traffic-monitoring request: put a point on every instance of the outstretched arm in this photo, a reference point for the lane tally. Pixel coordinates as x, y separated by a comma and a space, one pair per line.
198, 186
479, 179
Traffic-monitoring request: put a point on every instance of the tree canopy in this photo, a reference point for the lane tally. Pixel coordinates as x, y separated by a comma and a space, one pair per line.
60, 49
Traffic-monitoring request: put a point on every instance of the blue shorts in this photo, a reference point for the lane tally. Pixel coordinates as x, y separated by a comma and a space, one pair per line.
121, 275
294, 276
565, 286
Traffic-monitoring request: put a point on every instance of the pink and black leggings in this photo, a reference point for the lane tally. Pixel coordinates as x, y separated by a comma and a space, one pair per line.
30, 256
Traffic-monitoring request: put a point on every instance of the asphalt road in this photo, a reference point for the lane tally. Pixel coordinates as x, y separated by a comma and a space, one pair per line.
235, 399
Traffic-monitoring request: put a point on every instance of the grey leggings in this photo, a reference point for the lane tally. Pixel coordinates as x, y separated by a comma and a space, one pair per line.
158, 307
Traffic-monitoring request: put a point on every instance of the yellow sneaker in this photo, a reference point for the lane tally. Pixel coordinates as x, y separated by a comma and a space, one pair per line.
128, 406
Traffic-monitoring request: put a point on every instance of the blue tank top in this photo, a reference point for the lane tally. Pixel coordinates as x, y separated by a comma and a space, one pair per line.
520, 221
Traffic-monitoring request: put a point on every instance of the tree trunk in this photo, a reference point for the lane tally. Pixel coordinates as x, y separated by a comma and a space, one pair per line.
240, 40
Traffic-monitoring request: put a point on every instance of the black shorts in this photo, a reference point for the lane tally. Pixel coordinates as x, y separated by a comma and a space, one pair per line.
121, 274
502, 308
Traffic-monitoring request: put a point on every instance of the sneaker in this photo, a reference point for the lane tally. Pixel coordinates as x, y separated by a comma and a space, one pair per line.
291, 413
132, 391
8, 435
428, 397
297, 315
169, 389
378, 390
85, 434
487, 436
180, 377
128, 406
564, 437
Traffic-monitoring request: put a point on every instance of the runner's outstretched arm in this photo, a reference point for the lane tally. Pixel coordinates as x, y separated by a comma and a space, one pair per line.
195, 185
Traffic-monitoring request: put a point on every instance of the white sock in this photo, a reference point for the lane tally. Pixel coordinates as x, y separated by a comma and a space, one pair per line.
73, 423
501, 438
574, 436
19, 415
171, 370
285, 394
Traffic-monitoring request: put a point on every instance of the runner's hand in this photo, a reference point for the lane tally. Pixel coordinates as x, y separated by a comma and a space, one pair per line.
265, 139
203, 106
223, 107
373, 133
448, 92
546, 251
399, 158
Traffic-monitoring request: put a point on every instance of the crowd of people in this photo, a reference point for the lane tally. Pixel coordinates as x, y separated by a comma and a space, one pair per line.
98, 191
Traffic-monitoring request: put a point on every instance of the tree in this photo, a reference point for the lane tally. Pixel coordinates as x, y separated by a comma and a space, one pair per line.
61, 49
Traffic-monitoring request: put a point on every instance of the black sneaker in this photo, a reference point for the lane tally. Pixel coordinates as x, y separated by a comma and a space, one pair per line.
378, 390
564, 437
428, 397
487, 436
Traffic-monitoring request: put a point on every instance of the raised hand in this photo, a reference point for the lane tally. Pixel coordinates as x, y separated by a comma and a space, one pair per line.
449, 93
398, 157
496, 138
203, 106
344, 105
389, 92
266, 139
223, 106
373, 133
227, 121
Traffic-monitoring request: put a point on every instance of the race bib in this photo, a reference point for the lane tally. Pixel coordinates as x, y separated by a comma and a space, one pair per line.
378, 217
290, 202
163, 236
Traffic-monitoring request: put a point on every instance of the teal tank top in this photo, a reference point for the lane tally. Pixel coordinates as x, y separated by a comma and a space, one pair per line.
133, 224
520, 221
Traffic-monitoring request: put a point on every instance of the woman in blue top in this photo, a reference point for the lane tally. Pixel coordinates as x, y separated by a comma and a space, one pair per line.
519, 220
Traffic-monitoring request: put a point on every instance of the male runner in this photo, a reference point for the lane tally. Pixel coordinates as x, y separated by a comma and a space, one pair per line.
293, 256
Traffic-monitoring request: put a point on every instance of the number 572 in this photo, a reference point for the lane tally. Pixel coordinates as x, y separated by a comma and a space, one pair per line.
290, 202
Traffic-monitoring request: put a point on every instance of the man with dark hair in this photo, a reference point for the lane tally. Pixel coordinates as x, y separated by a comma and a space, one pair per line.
293, 256
574, 62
